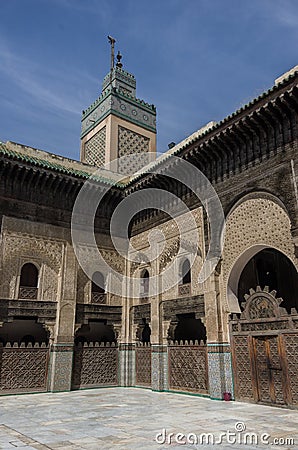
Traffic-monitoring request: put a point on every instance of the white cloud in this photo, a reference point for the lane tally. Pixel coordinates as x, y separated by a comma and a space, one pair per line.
45, 86
284, 12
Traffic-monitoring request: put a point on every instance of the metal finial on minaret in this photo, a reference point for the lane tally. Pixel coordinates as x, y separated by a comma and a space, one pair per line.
119, 57
112, 42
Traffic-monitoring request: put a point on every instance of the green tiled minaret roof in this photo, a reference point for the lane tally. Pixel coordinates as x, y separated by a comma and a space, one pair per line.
118, 97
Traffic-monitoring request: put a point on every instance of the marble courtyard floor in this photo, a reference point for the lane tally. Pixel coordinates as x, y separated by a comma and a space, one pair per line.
130, 418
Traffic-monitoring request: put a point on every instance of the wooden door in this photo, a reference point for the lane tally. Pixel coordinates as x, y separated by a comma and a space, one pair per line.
270, 376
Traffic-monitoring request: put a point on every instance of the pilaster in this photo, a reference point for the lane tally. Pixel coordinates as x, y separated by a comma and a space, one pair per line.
127, 362
219, 354
219, 370
61, 355
159, 367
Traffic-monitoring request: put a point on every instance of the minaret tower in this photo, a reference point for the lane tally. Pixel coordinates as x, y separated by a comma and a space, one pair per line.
117, 123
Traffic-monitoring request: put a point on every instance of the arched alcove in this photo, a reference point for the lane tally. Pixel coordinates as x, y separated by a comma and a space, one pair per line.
264, 266
189, 328
98, 283
144, 283
28, 281
185, 272
29, 275
146, 332
23, 330
95, 331
271, 268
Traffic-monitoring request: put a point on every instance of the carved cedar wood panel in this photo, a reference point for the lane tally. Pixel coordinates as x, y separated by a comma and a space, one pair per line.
242, 368
23, 369
95, 366
188, 368
291, 344
143, 365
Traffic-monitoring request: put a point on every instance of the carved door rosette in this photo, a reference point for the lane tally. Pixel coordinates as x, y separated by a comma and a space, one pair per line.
261, 304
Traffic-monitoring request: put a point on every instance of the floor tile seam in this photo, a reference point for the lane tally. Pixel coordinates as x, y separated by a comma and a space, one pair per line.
23, 438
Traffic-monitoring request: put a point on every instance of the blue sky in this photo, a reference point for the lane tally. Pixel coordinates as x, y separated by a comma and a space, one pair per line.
196, 60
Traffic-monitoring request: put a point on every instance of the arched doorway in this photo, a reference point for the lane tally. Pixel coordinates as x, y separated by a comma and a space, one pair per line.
264, 333
143, 355
23, 331
189, 328
95, 331
270, 267
187, 354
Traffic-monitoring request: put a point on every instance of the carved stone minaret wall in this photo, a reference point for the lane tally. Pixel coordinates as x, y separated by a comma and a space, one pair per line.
118, 124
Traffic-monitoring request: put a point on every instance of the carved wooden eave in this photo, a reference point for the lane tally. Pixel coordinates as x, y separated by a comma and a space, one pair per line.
183, 305
87, 312
46, 194
276, 107
254, 133
44, 311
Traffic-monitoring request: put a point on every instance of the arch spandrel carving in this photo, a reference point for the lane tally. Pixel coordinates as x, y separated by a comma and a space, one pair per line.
257, 222
49, 251
254, 224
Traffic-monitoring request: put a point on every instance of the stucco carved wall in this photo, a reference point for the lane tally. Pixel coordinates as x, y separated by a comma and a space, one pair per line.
168, 248
255, 223
17, 249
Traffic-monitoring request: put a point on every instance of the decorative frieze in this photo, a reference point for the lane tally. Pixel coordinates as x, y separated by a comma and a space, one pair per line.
86, 312
183, 305
44, 311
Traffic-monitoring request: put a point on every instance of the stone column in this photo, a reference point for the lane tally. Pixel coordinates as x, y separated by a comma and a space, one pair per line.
159, 353
219, 354
159, 347
126, 342
127, 357
159, 367
220, 370
61, 359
